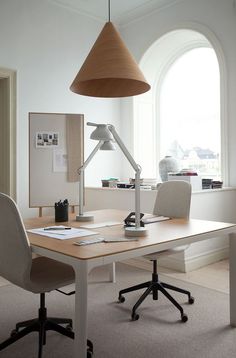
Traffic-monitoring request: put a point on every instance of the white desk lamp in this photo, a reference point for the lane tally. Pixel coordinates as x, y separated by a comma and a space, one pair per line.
106, 133
102, 145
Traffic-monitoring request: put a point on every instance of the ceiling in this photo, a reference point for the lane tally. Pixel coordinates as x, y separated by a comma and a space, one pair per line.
122, 11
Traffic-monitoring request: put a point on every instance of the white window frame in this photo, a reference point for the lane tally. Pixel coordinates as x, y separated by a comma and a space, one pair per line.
208, 41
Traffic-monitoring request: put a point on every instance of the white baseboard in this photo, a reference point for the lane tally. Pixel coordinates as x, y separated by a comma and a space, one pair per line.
183, 264
207, 258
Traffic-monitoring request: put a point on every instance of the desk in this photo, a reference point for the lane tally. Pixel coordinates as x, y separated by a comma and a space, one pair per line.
161, 235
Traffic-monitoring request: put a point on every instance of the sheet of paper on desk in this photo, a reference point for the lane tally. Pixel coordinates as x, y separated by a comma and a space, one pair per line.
154, 219
103, 224
63, 234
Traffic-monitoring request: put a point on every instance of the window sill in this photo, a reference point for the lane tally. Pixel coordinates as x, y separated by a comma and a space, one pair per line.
194, 192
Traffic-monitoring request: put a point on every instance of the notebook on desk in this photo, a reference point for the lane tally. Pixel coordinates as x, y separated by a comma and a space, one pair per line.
61, 234
102, 224
154, 219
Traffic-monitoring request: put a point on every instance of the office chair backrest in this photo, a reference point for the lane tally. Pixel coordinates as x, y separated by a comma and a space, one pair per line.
173, 199
15, 252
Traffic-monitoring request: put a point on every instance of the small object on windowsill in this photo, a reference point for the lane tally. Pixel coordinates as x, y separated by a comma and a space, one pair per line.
186, 172
132, 181
206, 183
211, 184
125, 186
216, 184
145, 183
145, 187
110, 183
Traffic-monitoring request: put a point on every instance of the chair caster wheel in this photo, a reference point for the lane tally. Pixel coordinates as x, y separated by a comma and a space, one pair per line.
89, 353
121, 299
184, 318
90, 346
191, 300
69, 328
14, 332
135, 317
89, 349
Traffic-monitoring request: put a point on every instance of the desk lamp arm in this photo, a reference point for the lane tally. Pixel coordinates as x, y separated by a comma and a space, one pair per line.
137, 170
81, 176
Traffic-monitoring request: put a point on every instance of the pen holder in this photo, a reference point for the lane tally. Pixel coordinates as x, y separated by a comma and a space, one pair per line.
61, 212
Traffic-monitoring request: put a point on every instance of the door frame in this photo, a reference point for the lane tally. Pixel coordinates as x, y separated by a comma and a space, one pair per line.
9, 131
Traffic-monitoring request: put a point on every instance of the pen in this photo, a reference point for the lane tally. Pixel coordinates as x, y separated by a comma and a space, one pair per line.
57, 228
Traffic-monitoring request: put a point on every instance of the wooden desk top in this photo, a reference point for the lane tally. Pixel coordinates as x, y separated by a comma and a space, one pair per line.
168, 232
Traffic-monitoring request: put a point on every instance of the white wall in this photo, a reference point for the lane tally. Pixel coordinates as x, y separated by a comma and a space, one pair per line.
46, 45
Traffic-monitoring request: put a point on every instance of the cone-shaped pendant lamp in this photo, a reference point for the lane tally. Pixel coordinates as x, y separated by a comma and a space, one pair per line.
109, 69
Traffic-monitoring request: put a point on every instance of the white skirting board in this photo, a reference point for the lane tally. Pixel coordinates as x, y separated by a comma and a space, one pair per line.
181, 264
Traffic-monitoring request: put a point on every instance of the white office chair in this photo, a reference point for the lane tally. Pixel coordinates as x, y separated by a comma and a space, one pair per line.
38, 275
173, 200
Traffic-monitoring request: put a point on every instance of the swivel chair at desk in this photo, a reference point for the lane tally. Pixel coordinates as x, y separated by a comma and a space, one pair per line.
38, 275
173, 200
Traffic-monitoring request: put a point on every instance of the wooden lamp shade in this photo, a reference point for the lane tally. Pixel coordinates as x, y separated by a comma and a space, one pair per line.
109, 69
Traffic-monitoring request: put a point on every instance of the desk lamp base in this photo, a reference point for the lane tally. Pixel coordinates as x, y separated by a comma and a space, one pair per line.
84, 217
133, 231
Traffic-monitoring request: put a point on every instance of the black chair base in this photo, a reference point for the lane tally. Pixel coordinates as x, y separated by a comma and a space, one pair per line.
42, 324
153, 287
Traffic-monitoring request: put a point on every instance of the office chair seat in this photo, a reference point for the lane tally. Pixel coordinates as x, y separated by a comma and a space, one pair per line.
47, 273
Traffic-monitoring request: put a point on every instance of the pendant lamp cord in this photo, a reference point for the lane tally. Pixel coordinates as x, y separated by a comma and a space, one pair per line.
109, 10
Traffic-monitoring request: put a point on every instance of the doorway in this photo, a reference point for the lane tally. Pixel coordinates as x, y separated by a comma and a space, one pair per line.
8, 132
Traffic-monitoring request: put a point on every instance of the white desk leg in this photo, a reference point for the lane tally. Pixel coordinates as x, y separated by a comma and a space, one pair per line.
232, 278
81, 305
112, 272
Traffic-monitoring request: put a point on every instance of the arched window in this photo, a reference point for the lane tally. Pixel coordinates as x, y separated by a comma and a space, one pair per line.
181, 115
190, 112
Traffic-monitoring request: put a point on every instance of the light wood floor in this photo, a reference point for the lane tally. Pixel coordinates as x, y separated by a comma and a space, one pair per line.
215, 276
